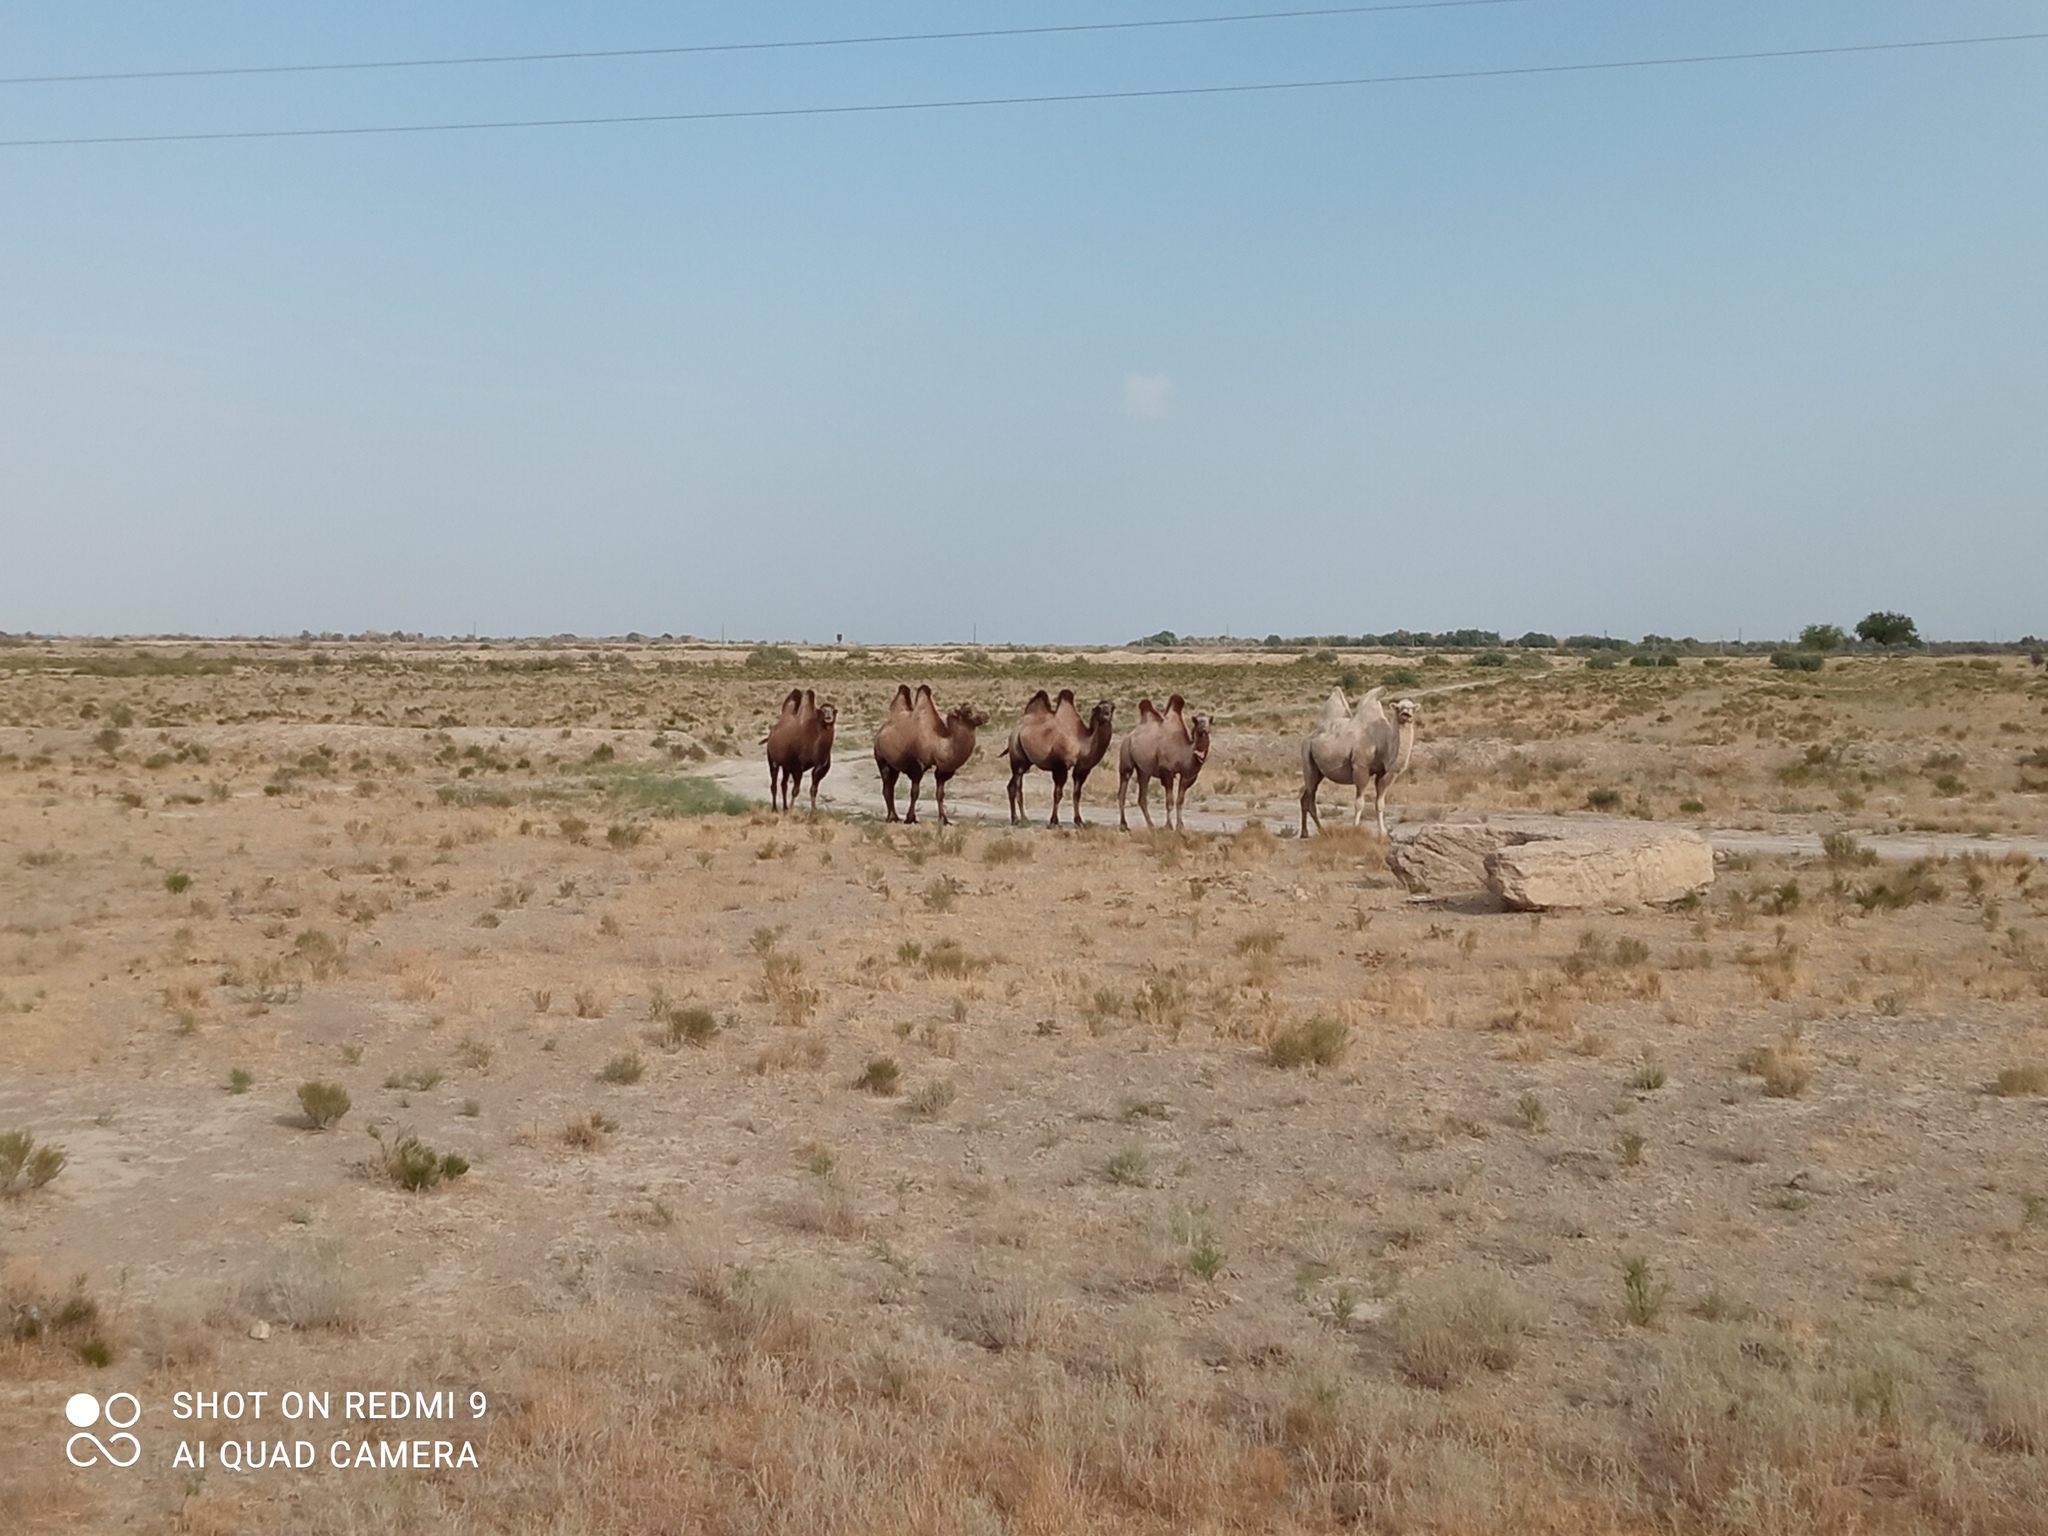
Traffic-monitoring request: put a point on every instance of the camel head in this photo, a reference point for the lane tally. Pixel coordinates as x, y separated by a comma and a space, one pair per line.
967, 715
828, 714
1103, 715
1198, 734
1404, 711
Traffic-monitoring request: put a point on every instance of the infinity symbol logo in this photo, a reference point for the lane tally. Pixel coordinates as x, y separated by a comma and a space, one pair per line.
83, 1410
71, 1450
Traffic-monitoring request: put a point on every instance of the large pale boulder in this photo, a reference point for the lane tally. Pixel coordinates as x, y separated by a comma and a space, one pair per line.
1611, 868
1554, 861
1448, 859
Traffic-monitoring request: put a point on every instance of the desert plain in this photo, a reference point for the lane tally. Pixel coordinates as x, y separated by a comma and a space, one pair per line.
801, 1173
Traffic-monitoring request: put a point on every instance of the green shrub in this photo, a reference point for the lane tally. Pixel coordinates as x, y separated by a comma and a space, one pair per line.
930, 1101
1603, 799
1128, 1166
24, 1165
1651, 659
691, 1026
1317, 1041
323, 1103
411, 1164
1490, 659
1642, 1298
178, 882
623, 1069
1798, 661
240, 1080
881, 1076
626, 834
1843, 850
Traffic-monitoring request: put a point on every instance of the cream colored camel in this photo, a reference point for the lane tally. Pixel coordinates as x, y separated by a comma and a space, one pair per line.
1356, 747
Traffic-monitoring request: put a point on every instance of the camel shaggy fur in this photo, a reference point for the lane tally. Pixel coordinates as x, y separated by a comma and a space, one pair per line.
1053, 736
799, 742
1168, 747
916, 740
1356, 748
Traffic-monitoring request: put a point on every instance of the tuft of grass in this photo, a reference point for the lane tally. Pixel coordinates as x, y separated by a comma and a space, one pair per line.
625, 834
2029, 1080
623, 1069
588, 1134
1530, 1114
1631, 1146
1263, 940
1649, 1078
1785, 1066
1317, 1041
305, 1285
671, 795
1447, 1335
1844, 851
323, 1103
240, 1080
882, 1076
412, 1165
1642, 1296
694, 1025
932, 1100
1603, 799
1006, 850
419, 1080
177, 882
1129, 1166
25, 1166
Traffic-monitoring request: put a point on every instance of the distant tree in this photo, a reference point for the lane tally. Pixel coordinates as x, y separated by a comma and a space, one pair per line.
1821, 637
1536, 640
1165, 637
1888, 630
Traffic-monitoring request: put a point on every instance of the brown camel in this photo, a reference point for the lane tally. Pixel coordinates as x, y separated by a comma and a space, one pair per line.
799, 742
914, 739
1053, 737
1168, 747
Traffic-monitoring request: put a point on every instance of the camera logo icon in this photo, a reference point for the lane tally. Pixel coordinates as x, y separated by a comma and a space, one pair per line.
84, 1411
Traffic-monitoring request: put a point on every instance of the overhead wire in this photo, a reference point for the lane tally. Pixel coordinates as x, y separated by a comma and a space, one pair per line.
1152, 93
763, 46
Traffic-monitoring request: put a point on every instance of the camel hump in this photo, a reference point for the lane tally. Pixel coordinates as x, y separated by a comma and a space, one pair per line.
1369, 707
1066, 696
901, 703
1176, 705
794, 702
1039, 705
1147, 710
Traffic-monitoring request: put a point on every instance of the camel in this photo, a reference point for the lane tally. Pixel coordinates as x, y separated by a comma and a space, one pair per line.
1052, 736
1350, 747
915, 740
799, 742
1168, 747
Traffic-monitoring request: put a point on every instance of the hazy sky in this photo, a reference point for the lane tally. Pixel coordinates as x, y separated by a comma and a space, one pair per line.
1695, 350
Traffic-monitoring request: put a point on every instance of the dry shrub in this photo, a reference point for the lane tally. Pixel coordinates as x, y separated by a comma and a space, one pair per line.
305, 1286
591, 1003
1448, 1334
788, 1054
1318, 1041
420, 976
1399, 999
1539, 1007
1786, 1066
1251, 843
2028, 1080
1348, 847
826, 1207
591, 1133
2016, 1406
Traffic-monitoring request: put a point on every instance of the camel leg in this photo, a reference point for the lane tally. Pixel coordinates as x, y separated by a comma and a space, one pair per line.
916, 784
1144, 783
817, 774
889, 789
1123, 785
1059, 790
939, 793
1379, 803
1079, 780
1311, 781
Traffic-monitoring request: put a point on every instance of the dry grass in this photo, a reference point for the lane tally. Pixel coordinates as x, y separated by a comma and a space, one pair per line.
1096, 1267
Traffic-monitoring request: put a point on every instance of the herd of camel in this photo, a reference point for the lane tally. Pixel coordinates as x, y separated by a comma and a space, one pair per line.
1348, 746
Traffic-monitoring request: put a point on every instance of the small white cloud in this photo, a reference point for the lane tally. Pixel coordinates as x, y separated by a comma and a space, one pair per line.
1149, 395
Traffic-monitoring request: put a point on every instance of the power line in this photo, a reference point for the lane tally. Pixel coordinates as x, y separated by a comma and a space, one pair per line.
755, 47
1048, 99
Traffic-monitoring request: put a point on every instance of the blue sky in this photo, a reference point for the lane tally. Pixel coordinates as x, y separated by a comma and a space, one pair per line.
1697, 350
